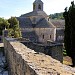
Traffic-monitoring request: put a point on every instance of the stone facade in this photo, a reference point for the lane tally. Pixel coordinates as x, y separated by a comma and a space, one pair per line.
24, 61
40, 23
45, 34
38, 27
44, 31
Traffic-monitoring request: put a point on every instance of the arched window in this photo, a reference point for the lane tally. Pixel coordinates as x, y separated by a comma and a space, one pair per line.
39, 7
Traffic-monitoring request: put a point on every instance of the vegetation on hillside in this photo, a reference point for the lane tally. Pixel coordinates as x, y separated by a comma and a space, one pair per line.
56, 16
69, 38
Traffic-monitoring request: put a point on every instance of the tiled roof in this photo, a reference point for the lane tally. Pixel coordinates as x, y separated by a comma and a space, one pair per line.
24, 22
35, 13
43, 23
58, 23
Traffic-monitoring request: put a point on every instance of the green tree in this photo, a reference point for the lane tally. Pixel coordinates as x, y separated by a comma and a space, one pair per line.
69, 39
3, 24
72, 28
67, 32
14, 30
56, 16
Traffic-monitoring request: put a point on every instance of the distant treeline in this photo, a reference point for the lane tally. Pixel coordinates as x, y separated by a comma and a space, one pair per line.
57, 16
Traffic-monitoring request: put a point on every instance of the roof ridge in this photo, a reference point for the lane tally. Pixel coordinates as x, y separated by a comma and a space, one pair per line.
51, 24
40, 20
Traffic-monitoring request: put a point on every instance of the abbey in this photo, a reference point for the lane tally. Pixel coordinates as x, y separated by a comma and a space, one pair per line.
38, 27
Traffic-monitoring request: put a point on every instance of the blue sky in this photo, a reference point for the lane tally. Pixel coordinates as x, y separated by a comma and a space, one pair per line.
10, 8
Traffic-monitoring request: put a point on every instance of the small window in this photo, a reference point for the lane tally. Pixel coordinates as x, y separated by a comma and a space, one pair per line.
39, 7
50, 36
43, 36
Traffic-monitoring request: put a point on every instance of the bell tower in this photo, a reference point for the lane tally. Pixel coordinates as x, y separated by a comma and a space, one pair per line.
37, 5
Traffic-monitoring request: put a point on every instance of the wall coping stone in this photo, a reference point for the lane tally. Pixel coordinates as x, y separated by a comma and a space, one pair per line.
41, 63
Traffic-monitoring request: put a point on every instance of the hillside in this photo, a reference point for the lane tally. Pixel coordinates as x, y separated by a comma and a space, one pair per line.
57, 16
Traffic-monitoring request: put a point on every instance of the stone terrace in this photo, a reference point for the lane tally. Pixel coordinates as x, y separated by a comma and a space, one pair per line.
24, 61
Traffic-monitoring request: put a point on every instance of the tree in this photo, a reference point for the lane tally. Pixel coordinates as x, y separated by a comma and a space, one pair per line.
14, 30
69, 39
3, 24
72, 28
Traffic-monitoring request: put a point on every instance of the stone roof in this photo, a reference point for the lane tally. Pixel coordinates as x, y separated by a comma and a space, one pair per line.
43, 23
58, 23
24, 22
35, 13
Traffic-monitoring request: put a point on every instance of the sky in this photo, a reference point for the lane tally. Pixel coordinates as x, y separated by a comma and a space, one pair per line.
10, 8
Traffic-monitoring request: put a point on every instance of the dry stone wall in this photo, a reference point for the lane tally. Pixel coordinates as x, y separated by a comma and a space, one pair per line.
24, 61
52, 49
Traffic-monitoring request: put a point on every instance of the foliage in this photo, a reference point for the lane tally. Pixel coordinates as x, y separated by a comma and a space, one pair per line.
3, 24
14, 30
56, 16
69, 39
13, 22
64, 52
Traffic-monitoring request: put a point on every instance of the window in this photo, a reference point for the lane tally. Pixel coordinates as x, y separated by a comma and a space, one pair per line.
43, 36
50, 36
39, 7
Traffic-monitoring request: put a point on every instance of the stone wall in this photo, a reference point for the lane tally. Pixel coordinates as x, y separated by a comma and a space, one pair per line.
49, 34
60, 35
54, 50
24, 61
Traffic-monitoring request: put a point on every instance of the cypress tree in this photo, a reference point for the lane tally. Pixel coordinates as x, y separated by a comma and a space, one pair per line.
69, 38
72, 24
67, 32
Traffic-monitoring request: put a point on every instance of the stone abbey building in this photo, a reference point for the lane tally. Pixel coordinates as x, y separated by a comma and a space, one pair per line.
38, 27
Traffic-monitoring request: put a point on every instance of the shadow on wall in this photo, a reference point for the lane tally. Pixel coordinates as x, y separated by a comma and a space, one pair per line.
54, 50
